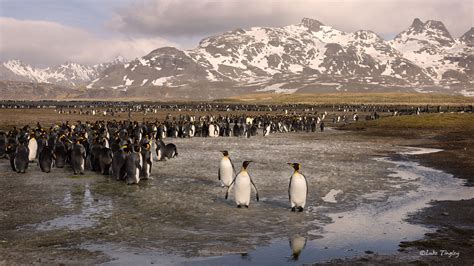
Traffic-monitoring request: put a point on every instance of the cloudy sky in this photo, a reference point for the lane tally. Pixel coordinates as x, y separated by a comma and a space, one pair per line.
47, 32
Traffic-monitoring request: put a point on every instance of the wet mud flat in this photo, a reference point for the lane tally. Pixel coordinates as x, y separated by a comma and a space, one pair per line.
362, 191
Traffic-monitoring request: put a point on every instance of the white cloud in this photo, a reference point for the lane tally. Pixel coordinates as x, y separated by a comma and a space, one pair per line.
203, 17
49, 43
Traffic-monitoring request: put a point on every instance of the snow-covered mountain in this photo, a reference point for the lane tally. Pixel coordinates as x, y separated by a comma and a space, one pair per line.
304, 57
308, 56
431, 46
68, 74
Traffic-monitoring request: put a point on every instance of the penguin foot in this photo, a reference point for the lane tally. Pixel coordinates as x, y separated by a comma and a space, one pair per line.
238, 206
247, 206
300, 209
293, 209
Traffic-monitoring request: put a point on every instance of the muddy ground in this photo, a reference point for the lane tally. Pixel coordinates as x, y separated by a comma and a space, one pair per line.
453, 221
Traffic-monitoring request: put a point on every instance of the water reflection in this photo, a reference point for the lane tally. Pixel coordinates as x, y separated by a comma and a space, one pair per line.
91, 210
297, 244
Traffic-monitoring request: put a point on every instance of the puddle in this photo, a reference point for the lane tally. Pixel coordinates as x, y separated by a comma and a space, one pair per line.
91, 210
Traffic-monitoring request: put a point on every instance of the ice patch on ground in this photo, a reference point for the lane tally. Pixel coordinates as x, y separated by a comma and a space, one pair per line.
417, 151
331, 196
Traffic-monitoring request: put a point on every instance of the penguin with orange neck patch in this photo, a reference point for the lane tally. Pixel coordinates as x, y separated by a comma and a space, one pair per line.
298, 189
242, 187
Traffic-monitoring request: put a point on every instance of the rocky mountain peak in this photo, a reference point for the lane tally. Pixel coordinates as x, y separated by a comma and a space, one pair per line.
431, 31
311, 24
417, 25
468, 37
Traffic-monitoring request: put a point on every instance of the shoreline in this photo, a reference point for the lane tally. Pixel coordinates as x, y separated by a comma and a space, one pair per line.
452, 242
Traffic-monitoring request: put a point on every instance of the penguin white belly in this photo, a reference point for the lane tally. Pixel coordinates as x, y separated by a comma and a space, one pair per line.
242, 189
298, 191
226, 172
267, 131
158, 155
33, 147
154, 155
211, 130
137, 173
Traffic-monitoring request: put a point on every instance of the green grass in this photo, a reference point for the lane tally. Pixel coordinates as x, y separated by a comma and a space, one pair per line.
446, 121
352, 98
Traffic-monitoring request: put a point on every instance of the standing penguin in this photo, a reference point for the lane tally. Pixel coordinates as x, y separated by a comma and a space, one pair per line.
147, 161
298, 189
226, 170
78, 157
118, 163
267, 130
105, 160
60, 154
45, 159
21, 158
133, 166
243, 188
32, 147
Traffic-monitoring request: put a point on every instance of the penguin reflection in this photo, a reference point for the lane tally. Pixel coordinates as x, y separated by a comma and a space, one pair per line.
297, 244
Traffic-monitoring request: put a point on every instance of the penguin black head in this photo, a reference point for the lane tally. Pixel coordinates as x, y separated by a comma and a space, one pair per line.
136, 148
295, 166
225, 153
245, 164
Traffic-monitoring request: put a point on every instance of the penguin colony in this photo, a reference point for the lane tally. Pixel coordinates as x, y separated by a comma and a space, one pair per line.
127, 150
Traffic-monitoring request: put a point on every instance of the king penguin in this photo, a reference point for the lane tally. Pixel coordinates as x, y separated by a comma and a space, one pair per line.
78, 157
133, 165
21, 158
243, 188
298, 189
45, 159
226, 170
32, 147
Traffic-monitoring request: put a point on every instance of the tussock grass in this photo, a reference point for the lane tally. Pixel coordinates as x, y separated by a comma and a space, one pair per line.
446, 121
352, 98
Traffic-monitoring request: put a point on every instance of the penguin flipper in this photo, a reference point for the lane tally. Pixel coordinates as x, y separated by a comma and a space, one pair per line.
256, 190
218, 174
307, 187
229, 187
289, 187
233, 167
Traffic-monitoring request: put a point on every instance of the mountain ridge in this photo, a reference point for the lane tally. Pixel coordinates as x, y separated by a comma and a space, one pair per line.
304, 57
